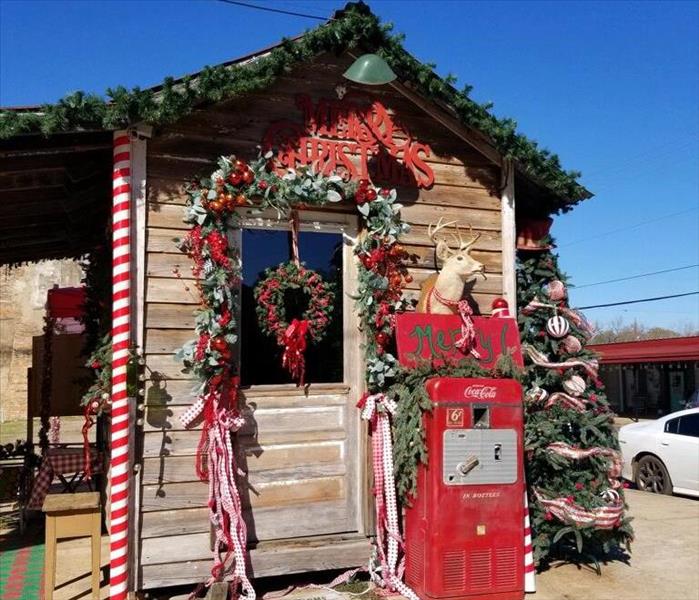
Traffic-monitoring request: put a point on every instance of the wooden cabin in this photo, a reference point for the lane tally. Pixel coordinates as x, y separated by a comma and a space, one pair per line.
307, 488
306, 455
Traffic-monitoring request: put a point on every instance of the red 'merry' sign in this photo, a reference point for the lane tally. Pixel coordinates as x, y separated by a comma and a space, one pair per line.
430, 337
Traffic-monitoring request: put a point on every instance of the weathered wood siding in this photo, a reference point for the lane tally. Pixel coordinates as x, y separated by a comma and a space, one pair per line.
303, 455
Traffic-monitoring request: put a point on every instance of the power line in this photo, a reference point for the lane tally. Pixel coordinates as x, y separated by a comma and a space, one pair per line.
640, 224
275, 10
637, 301
577, 287
632, 161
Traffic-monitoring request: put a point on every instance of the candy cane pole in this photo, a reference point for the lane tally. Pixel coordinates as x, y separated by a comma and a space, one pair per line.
529, 581
121, 313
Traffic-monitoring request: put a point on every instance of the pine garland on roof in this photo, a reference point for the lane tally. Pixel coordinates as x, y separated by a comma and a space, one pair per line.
354, 27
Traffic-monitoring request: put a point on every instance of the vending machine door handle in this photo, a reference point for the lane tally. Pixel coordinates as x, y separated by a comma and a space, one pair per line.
470, 463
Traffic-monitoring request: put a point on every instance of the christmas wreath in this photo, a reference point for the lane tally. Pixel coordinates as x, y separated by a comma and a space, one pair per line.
270, 294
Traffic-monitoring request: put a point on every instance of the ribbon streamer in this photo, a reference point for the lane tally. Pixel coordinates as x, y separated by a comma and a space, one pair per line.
466, 343
294, 224
577, 318
604, 517
376, 409
294, 342
568, 451
567, 401
591, 366
215, 450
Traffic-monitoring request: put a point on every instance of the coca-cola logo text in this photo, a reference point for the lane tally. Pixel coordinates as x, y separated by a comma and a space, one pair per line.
480, 391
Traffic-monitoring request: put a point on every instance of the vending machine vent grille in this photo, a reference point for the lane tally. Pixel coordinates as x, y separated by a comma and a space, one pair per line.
480, 570
454, 570
416, 560
505, 567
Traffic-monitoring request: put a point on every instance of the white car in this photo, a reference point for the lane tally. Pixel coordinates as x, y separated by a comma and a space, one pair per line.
662, 456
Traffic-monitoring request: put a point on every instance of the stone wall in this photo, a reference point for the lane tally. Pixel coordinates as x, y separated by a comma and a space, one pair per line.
22, 299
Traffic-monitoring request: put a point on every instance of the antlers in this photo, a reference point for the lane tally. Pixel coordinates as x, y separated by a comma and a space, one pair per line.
439, 226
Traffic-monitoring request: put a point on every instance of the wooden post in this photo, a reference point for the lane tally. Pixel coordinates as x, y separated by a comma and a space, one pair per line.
139, 208
509, 236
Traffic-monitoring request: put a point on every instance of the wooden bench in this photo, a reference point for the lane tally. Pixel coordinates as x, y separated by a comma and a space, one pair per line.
67, 516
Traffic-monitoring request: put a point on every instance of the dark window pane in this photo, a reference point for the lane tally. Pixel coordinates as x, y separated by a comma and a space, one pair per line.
671, 425
260, 354
689, 425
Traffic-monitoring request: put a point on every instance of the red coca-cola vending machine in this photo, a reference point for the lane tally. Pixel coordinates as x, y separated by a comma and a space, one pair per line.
464, 532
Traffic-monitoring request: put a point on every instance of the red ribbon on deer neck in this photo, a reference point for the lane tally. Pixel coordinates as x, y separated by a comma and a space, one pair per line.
294, 342
467, 342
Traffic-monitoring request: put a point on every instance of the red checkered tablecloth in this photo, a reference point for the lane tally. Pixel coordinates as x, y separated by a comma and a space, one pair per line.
60, 461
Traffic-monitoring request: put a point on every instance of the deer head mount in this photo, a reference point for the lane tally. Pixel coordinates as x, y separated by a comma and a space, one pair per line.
440, 293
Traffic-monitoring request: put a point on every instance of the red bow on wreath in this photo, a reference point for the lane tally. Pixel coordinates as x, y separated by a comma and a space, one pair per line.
294, 342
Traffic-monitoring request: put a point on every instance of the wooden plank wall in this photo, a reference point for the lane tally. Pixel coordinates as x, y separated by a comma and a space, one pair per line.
308, 431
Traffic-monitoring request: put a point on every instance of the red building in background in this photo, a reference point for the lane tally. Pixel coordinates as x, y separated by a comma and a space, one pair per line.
649, 378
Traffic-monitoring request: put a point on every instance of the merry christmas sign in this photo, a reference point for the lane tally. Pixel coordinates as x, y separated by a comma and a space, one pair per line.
422, 336
356, 137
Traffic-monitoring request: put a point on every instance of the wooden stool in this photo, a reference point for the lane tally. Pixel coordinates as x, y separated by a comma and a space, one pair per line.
71, 515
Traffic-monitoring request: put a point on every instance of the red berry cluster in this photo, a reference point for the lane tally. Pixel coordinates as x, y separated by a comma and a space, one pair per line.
194, 243
386, 260
218, 248
365, 192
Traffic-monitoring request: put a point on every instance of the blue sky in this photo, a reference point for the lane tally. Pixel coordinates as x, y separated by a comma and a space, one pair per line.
612, 87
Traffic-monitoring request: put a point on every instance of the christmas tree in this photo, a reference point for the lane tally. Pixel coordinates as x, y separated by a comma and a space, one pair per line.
573, 464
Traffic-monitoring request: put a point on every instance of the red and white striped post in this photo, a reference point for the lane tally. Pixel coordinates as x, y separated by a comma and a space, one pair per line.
529, 569
121, 337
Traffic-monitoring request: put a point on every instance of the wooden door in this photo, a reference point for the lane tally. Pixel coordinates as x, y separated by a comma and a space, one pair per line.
300, 446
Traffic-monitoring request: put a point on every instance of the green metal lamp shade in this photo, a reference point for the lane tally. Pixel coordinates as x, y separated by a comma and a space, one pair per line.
370, 69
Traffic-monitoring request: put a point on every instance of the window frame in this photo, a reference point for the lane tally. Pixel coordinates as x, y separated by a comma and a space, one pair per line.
676, 422
321, 222
686, 418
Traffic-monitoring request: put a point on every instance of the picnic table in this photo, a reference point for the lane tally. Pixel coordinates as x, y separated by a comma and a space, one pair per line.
68, 464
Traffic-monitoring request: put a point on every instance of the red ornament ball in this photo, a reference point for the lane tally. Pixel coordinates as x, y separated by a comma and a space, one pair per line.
548, 516
248, 177
500, 303
579, 486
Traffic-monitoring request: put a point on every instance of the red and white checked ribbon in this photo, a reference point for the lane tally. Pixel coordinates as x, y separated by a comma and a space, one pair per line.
529, 570
614, 471
467, 341
604, 517
190, 415
225, 506
121, 330
376, 409
591, 366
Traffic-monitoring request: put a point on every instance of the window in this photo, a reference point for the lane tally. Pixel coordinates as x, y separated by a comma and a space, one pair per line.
260, 358
689, 425
671, 425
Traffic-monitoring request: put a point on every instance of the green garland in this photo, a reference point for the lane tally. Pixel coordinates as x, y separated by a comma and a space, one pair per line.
409, 390
354, 28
